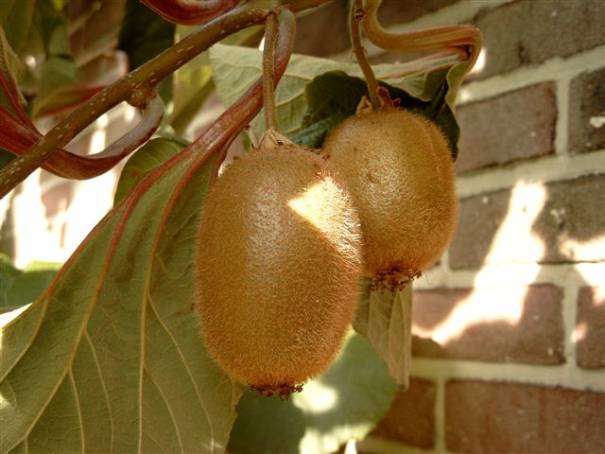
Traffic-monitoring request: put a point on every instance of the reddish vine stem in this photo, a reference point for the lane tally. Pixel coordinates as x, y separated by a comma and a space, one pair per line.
355, 17
465, 38
269, 72
18, 138
149, 74
189, 12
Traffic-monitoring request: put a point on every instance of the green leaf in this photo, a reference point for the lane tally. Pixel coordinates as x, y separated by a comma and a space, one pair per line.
334, 96
342, 404
316, 94
52, 29
110, 358
145, 159
384, 317
16, 17
56, 72
143, 35
193, 82
19, 288
235, 68
10, 69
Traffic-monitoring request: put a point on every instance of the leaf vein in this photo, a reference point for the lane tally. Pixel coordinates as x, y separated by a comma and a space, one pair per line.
78, 407
104, 387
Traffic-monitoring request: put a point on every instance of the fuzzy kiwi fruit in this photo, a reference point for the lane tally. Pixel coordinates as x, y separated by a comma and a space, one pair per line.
399, 171
278, 263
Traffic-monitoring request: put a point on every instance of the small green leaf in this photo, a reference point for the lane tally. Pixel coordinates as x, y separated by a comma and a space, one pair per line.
10, 69
145, 159
344, 403
16, 20
18, 288
383, 317
55, 73
143, 35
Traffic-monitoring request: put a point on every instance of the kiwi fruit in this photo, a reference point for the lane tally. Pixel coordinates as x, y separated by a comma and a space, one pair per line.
398, 169
277, 269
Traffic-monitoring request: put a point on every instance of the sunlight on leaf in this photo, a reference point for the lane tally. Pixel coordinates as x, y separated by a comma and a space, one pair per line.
343, 403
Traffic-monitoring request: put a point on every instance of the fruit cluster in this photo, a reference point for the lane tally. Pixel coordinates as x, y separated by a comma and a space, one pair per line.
286, 234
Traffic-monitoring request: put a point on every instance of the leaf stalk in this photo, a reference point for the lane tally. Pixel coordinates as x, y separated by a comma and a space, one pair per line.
357, 14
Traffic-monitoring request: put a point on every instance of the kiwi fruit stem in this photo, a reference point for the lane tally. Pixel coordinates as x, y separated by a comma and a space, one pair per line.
356, 15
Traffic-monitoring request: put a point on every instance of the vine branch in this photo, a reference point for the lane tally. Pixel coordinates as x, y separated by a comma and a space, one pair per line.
356, 15
147, 75
269, 71
187, 12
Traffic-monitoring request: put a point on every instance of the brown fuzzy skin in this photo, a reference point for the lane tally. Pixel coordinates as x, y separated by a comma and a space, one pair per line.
399, 171
279, 257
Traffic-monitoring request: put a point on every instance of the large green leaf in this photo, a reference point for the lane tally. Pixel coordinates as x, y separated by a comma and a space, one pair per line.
235, 68
316, 94
342, 404
110, 359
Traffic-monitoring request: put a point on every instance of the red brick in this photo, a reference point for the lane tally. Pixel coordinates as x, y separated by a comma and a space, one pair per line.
568, 219
323, 32
485, 417
479, 219
532, 31
411, 418
587, 112
536, 338
573, 212
590, 328
396, 11
491, 134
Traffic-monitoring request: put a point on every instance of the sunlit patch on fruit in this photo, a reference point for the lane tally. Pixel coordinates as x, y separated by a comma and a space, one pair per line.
324, 207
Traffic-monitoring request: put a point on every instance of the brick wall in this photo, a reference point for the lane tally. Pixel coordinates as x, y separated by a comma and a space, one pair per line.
509, 328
